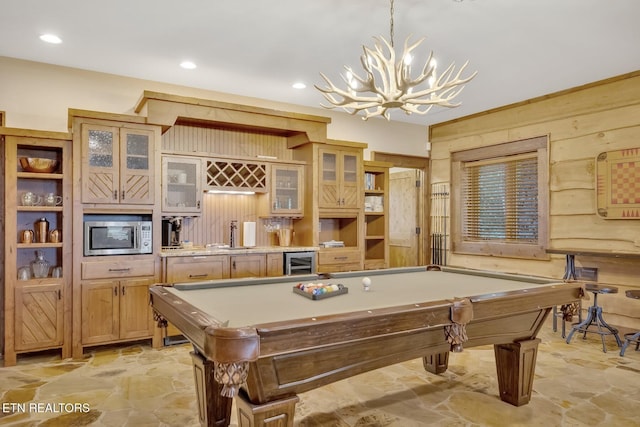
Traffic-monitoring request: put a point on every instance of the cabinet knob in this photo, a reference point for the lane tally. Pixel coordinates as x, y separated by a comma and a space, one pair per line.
115, 194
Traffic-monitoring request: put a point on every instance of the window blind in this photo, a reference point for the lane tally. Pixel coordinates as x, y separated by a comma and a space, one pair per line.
500, 199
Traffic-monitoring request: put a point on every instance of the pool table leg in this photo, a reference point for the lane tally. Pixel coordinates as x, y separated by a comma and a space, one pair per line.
516, 365
436, 363
278, 413
214, 410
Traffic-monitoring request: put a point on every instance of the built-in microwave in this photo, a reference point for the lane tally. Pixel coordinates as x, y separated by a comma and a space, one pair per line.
117, 237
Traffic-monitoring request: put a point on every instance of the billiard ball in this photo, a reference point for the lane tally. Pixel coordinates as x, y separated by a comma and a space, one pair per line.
366, 282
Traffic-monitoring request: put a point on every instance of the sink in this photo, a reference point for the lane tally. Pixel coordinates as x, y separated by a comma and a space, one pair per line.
216, 246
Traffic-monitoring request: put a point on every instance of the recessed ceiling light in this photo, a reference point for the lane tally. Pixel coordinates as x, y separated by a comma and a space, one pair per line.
51, 38
299, 85
188, 65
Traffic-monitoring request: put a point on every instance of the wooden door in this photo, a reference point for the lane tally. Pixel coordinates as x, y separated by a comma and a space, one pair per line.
403, 218
100, 164
275, 264
100, 311
137, 173
39, 321
136, 319
248, 266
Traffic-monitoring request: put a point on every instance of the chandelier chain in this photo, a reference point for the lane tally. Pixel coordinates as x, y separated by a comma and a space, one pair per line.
391, 23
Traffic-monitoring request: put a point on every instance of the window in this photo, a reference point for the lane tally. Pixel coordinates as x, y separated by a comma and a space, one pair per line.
501, 193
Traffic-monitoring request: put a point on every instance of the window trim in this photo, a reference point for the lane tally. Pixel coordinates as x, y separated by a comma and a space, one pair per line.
495, 152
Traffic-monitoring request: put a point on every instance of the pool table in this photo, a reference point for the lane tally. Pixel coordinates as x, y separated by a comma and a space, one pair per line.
260, 342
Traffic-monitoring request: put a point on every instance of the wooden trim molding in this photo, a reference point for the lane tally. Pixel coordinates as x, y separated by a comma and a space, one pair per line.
536, 145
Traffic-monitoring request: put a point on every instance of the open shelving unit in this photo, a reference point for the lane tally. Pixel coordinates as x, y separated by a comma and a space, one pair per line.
376, 215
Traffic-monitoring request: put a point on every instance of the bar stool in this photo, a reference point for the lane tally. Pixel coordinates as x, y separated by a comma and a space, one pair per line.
594, 317
631, 337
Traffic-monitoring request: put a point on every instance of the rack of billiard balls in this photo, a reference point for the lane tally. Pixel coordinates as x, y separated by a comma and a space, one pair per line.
317, 291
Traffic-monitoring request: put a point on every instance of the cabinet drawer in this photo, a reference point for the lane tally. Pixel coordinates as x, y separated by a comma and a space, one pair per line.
114, 269
197, 268
338, 268
339, 256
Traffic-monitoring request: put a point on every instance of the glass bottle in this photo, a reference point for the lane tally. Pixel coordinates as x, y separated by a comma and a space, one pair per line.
40, 266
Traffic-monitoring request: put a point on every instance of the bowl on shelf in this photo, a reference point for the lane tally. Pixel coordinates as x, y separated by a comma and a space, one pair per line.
38, 165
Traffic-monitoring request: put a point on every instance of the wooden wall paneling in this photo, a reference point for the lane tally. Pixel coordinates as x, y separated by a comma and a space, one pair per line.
569, 174
581, 123
572, 201
591, 145
226, 142
602, 96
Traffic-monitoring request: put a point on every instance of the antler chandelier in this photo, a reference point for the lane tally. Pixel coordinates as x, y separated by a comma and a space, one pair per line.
388, 83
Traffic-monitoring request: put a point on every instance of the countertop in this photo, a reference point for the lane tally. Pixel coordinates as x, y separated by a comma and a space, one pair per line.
204, 251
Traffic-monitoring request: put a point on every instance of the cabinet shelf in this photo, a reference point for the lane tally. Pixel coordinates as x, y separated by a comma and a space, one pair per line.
183, 185
35, 175
40, 208
375, 237
39, 245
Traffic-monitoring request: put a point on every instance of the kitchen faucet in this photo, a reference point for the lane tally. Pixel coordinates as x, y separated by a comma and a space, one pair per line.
232, 236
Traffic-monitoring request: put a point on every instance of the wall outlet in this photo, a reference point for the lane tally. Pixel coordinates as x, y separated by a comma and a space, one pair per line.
587, 274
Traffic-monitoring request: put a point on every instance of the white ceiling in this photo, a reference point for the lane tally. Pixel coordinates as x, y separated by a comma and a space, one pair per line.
520, 48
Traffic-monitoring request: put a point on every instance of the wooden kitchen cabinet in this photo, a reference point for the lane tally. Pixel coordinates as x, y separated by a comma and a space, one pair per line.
286, 198
113, 302
114, 310
248, 265
196, 268
182, 185
340, 177
118, 164
275, 264
39, 316
37, 310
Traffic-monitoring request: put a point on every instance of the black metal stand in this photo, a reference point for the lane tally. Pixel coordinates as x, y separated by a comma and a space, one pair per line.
594, 318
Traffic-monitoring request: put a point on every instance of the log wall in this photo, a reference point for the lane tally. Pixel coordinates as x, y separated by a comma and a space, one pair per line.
581, 123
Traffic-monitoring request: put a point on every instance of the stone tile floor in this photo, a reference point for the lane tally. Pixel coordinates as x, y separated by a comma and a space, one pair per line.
134, 385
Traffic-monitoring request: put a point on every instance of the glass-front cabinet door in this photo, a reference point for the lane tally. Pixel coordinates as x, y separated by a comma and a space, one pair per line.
136, 166
328, 196
101, 176
339, 179
181, 185
117, 165
287, 193
350, 175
